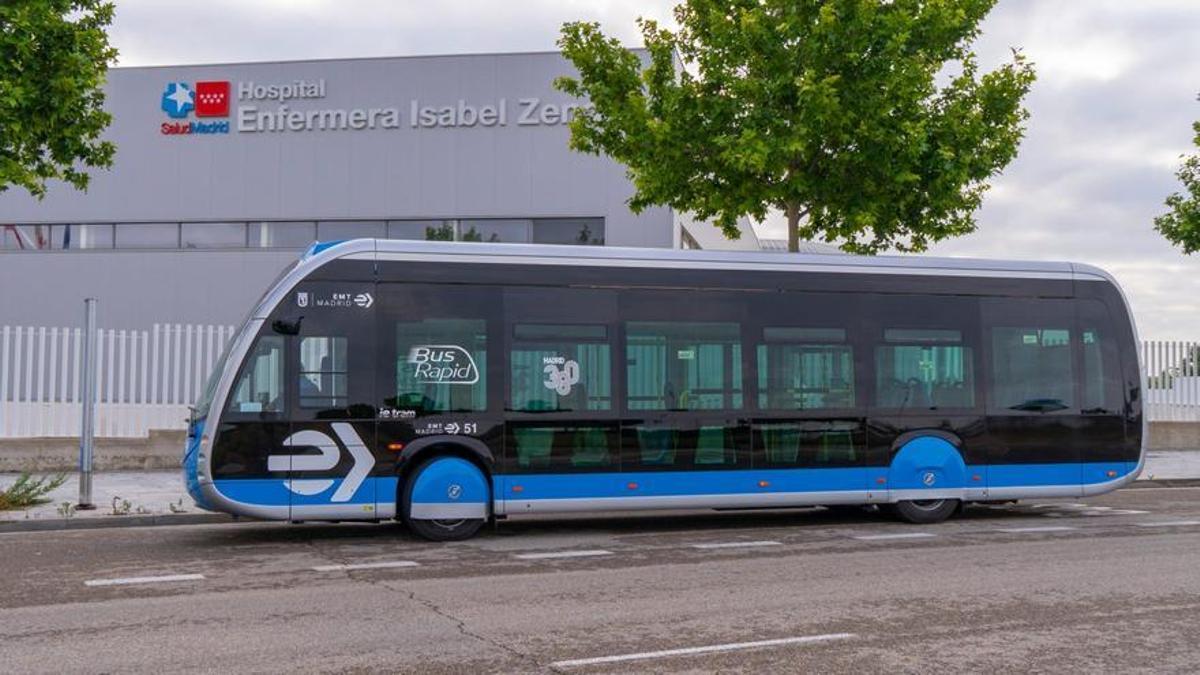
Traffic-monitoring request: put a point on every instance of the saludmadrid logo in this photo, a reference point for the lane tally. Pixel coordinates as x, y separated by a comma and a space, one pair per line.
204, 99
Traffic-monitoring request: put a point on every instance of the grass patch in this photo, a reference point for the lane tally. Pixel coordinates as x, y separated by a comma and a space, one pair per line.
29, 491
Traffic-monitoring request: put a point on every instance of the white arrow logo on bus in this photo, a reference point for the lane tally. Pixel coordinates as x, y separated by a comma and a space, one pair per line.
364, 300
329, 458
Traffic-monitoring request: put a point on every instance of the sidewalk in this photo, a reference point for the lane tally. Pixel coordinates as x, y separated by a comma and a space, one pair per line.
158, 497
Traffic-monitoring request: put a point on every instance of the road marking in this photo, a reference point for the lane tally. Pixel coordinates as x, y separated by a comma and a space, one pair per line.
1170, 523
366, 566
1060, 506
144, 580
562, 554
737, 544
1022, 530
902, 535
1128, 512
690, 651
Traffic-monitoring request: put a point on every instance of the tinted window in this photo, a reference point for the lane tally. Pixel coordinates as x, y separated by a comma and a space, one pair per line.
560, 368
683, 365
805, 369
441, 365
259, 389
324, 374
1031, 369
924, 368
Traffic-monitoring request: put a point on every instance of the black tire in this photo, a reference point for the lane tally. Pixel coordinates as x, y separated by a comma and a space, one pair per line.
435, 530
926, 511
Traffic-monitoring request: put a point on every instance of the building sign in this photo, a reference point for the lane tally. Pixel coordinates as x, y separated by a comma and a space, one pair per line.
294, 107
205, 99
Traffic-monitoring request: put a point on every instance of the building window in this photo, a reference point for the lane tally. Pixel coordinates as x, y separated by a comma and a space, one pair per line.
578, 231
496, 230
421, 230
283, 234
83, 236
213, 235
338, 230
147, 235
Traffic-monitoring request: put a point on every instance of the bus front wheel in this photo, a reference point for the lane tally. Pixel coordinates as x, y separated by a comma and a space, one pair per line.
924, 511
445, 499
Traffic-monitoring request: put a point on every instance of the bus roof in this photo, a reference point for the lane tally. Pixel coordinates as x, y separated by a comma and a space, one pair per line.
546, 254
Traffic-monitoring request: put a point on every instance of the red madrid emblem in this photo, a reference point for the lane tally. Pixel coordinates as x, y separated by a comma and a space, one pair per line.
212, 99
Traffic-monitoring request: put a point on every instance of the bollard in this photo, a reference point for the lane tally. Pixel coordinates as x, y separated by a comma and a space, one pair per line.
87, 428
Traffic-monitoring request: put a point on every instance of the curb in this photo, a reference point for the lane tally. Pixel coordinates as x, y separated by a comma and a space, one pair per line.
55, 524
1164, 482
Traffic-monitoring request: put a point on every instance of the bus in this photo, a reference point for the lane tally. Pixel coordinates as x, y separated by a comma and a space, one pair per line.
449, 384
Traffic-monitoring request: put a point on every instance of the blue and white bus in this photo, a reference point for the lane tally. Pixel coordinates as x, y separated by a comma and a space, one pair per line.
446, 384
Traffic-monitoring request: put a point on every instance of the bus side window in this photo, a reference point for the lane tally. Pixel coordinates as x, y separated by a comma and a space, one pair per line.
1101, 373
1032, 369
441, 366
323, 372
683, 365
924, 369
260, 387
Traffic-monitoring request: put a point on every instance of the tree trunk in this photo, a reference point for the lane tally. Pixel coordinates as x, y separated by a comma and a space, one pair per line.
793, 219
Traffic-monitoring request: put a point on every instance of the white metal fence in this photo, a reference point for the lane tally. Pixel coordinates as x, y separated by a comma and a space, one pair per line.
145, 378
1172, 380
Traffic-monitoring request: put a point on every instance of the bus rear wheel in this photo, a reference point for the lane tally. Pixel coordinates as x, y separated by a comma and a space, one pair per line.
924, 511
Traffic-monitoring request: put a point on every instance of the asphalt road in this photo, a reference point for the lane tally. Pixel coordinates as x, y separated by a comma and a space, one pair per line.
1106, 586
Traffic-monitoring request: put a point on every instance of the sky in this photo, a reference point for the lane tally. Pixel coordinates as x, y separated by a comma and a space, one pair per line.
1111, 111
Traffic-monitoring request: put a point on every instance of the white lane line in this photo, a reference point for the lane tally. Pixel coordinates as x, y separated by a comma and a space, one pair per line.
144, 580
690, 651
1022, 530
562, 554
737, 544
1170, 523
365, 566
901, 535
1128, 512
1060, 506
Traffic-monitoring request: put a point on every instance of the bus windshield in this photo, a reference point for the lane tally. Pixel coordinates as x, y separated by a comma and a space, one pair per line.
200, 409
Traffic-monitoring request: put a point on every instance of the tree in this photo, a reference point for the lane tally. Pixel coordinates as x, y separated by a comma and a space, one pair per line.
1181, 225
828, 110
53, 58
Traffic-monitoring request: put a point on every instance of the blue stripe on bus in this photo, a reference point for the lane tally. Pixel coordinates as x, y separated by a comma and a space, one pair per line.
750, 481
274, 492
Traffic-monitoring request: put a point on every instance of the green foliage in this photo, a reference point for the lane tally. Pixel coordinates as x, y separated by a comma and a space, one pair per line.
1181, 225
829, 110
29, 491
53, 58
